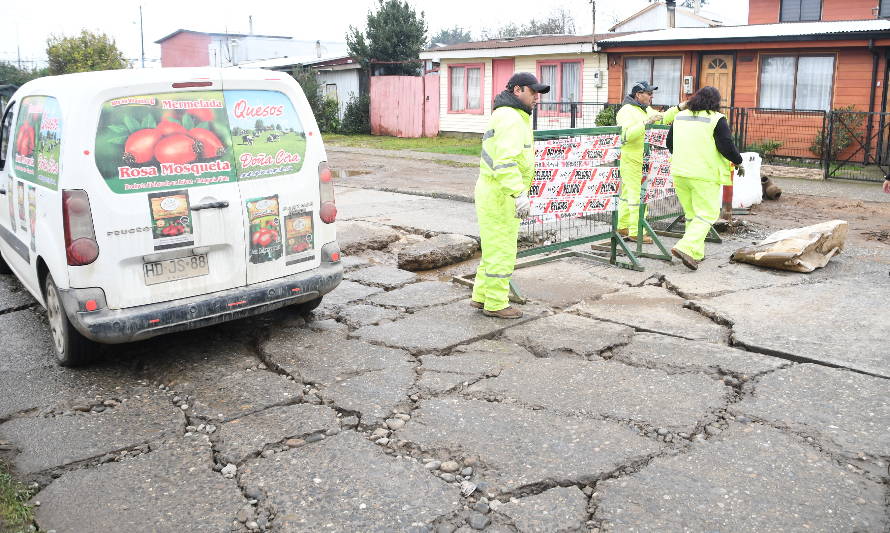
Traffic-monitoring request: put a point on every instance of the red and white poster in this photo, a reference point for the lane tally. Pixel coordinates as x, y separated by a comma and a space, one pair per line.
574, 177
657, 165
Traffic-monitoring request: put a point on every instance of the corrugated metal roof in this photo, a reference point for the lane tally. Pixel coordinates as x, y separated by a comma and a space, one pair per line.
778, 31
514, 42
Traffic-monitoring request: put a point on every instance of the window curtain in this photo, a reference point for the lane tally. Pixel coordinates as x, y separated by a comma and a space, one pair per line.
474, 88
814, 76
636, 69
548, 77
666, 76
777, 83
457, 89
571, 84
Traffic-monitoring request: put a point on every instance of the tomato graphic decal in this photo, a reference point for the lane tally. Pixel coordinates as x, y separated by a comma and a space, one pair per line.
178, 149
210, 145
140, 146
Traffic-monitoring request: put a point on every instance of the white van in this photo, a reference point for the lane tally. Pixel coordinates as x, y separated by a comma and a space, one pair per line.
143, 202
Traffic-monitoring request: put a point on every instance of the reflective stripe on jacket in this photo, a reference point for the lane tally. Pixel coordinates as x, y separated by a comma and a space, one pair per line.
695, 152
508, 153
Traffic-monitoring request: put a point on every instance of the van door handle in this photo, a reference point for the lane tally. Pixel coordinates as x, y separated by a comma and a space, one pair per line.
211, 205
3, 190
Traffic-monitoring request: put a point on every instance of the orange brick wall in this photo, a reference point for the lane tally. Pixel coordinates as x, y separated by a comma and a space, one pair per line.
767, 11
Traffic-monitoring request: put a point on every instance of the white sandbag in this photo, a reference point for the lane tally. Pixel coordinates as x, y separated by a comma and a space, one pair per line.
746, 190
798, 249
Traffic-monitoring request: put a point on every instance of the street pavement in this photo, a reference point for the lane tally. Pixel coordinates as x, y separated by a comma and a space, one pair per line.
728, 399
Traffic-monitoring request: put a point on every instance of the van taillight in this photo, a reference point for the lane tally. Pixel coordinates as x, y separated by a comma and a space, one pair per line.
81, 247
328, 210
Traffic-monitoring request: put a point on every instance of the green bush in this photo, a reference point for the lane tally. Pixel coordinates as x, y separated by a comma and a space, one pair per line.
357, 117
606, 117
328, 116
844, 122
767, 148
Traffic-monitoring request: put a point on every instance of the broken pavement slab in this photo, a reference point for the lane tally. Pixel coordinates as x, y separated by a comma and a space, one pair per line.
440, 328
438, 251
750, 478
653, 309
567, 335
358, 315
351, 374
13, 295
348, 484
468, 364
673, 354
238, 439
236, 386
171, 488
46, 443
349, 291
824, 322
382, 276
566, 449
565, 282
422, 294
842, 410
604, 389
556, 510
354, 236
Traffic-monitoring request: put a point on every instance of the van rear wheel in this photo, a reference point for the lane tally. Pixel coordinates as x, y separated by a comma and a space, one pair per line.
70, 347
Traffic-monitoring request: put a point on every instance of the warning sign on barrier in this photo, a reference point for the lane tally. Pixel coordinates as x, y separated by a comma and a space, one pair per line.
574, 177
657, 165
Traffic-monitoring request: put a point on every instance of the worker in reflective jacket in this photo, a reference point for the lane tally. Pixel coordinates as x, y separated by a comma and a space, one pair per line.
703, 155
505, 175
633, 117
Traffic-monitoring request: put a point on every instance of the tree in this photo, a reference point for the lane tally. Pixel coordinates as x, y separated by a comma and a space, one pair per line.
558, 22
86, 52
14, 75
395, 34
451, 36
259, 126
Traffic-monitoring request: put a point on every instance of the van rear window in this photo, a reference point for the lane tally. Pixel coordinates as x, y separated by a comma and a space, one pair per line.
189, 139
37, 141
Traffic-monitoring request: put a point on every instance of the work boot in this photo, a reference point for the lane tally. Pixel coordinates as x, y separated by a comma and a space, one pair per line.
687, 259
507, 312
633, 238
622, 232
476, 305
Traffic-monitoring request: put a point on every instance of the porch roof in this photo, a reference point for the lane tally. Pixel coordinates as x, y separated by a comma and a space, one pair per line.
783, 31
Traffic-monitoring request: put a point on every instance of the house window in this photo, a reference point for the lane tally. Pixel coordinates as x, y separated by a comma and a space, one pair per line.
796, 82
330, 92
661, 72
884, 10
801, 10
465, 88
564, 79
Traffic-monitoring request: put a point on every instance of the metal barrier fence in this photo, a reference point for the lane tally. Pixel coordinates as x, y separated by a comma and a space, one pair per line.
841, 143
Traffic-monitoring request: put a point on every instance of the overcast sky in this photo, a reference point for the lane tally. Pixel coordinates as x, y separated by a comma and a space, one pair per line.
25, 26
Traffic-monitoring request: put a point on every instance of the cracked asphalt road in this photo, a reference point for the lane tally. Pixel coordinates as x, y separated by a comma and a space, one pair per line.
729, 399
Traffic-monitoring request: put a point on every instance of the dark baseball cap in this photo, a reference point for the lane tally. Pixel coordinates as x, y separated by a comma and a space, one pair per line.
525, 79
642, 87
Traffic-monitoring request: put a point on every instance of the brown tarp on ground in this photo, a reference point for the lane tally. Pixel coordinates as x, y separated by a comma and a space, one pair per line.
798, 249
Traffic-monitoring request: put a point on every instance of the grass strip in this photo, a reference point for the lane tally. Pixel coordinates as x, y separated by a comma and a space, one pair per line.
15, 513
439, 145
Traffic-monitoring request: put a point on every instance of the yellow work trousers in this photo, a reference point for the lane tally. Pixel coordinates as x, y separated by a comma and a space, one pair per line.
701, 202
498, 231
629, 204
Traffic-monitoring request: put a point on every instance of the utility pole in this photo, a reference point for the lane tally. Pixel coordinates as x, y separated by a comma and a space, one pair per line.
593, 25
141, 37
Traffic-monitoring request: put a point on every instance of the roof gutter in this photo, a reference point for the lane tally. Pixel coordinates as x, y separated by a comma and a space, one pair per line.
846, 36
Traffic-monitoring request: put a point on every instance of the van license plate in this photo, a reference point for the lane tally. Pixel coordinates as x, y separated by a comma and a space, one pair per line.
175, 269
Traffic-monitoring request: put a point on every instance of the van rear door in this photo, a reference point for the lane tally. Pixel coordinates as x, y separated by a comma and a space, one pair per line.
164, 195
277, 176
